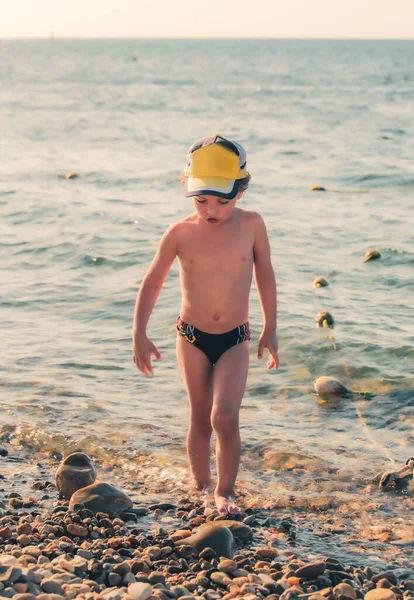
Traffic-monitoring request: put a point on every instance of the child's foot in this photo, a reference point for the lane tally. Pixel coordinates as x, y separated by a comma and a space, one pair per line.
203, 486
227, 506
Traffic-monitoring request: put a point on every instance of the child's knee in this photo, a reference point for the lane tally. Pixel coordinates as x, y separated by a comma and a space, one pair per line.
224, 421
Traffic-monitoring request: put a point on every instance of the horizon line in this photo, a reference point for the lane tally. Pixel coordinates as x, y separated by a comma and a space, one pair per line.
52, 37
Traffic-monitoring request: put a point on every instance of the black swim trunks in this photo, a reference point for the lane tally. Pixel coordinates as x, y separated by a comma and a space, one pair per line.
213, 344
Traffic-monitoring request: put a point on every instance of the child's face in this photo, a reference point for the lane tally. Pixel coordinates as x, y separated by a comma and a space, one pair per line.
213, 209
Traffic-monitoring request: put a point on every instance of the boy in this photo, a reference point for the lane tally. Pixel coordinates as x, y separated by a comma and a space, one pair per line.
217, 247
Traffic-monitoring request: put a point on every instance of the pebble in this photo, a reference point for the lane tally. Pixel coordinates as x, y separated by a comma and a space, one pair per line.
139, 591
380, 594
311, 570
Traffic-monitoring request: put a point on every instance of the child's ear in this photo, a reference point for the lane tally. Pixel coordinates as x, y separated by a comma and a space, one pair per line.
239, 195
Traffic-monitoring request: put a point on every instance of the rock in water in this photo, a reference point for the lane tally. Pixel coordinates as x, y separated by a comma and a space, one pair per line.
320, 282
324, 319
317, 188
101, 497
76, 471
372, 255
330, 386
211, 535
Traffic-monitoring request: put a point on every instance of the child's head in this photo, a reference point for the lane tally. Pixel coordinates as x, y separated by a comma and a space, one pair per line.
216, 167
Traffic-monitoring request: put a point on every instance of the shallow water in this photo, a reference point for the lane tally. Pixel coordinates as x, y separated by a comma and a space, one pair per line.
121, 114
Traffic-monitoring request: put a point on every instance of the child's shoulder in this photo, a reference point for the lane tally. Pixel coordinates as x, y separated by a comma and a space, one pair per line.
250, 217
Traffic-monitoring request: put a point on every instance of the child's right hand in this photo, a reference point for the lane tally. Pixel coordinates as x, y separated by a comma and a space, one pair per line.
142, 348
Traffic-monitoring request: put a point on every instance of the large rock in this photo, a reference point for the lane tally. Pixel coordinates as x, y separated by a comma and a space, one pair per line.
213, 535
330, 386
76, 471
101, 497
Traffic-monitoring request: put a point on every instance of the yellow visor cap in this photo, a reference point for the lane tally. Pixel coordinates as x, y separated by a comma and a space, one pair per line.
214, 161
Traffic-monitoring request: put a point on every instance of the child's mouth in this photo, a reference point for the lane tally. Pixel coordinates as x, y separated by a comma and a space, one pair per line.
211, 220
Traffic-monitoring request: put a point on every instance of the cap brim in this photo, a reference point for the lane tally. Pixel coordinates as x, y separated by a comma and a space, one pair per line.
216, 186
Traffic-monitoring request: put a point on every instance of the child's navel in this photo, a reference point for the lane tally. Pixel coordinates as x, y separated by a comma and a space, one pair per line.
216, 317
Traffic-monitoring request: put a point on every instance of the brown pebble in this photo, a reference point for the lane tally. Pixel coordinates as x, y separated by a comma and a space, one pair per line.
380, 594
24, 528
311, 570
24, 540
220, 578
77, 530
384, 583
344, 590
5, 532
227, 565
266, 553
390, 575
152, 551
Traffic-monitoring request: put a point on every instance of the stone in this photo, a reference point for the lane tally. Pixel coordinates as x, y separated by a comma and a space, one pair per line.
266, 553
372, 254
77, 530
330, 386
227, 565
5, 532
344, 590
324, 319
320, 282
238, 529
311, 570
139, 591
71, 175
390, 575
76, 471
51, 586
101, 497
220, 578
317, 188
212, 535
380, 594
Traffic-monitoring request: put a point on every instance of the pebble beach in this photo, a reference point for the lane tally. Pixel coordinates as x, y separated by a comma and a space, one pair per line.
51, 552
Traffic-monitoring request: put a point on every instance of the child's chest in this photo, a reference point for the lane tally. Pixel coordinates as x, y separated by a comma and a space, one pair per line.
216, 253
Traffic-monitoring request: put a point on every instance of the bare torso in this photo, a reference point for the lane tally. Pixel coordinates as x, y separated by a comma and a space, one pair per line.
216, 265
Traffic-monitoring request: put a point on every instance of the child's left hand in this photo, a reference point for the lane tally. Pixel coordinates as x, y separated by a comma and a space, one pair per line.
268, 339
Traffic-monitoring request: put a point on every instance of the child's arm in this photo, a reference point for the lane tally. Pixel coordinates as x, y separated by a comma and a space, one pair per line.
266, 285
151, 285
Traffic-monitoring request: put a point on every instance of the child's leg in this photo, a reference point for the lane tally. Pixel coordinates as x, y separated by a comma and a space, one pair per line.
230, 374
196, 371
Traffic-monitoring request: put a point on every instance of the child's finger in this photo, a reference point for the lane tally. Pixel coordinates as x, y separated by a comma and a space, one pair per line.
155, 352
260, 350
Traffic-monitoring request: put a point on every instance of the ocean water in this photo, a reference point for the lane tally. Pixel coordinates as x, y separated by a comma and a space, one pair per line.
121, 115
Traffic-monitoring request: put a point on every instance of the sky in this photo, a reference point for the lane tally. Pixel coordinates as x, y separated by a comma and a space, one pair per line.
389, 19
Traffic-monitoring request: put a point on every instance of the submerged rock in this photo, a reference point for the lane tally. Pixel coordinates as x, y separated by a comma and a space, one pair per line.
330, 386
317, 188
71, 175
76, 471
320, 282
324, 319
101, 497
372, 254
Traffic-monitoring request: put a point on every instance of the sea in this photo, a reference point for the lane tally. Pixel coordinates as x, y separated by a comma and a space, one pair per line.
94, 135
